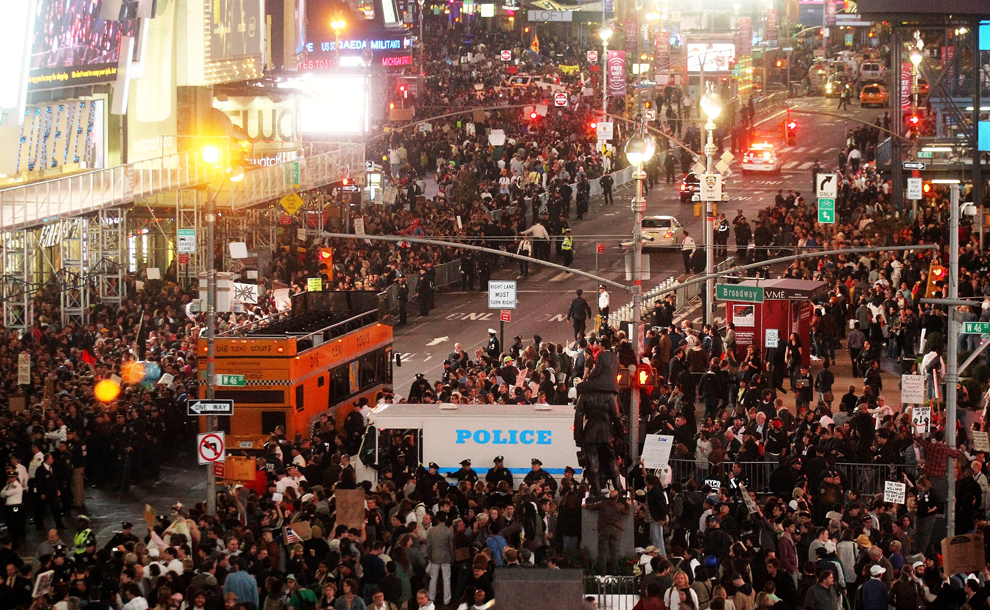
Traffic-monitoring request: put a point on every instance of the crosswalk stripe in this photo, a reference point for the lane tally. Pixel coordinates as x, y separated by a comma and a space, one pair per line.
807, 165
790, 164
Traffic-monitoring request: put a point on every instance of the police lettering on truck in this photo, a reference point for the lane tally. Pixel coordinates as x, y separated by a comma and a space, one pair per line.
451, 433
511, 437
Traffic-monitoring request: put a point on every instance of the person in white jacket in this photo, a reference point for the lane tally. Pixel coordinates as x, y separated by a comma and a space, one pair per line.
679, 592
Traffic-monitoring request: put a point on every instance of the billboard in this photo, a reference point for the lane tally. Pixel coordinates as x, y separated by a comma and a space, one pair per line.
68, 133
71, 45
333, 105
236, 29
714, 57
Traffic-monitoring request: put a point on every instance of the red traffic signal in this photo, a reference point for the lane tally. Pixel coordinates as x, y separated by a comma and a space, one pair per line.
938, 273
533, 115
623, 378
926, 187
593, 125
791, 125
913, 119
325, 254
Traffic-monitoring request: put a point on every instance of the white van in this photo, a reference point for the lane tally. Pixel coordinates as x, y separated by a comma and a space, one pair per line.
871, 70
448, 433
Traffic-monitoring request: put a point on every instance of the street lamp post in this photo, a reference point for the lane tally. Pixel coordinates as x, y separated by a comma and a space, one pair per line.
422, 64
337, 25
916, 57
604, 32
638, 151
712, 106
212, 157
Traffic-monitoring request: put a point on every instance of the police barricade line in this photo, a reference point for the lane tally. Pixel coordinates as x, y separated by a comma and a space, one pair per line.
613, 592
865, 479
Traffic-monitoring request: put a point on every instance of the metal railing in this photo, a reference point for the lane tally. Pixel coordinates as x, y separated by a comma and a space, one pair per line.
684, 295
447, 274
85, 192
329, 163
866, 479
613, 592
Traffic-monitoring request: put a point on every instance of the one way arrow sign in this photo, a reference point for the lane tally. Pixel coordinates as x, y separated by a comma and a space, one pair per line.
827, 186
210, 407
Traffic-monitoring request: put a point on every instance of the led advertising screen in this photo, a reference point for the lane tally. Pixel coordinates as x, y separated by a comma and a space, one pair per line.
369, 24
236, 29
71, 45
333, 105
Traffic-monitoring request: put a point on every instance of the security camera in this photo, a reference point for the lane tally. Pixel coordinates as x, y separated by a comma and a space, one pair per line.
968, 209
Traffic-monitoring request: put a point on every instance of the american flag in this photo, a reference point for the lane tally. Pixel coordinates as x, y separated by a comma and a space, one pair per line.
291, 537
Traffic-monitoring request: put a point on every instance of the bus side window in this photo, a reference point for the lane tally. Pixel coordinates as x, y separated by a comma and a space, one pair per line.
271, 420
369, 370
385, 366
339, 385
300, 398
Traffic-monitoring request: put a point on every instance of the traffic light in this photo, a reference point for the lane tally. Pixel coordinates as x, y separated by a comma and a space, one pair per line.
780, 64
533, 115
624, 378
936, 274
403, 91
912, 125
325, 258
926, 187
646, 377
790, 131
593, 125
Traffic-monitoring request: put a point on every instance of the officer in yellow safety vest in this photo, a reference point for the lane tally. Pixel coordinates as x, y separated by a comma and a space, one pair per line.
567, 248
83, 536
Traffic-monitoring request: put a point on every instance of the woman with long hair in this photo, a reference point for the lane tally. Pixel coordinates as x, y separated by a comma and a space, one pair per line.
403, 567
350, 600
680, 595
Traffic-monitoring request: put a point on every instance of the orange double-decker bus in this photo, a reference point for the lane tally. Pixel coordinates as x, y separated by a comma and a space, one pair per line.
331, 350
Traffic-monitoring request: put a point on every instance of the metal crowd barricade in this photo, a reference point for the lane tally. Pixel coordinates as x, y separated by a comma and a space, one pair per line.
613, 592
865, 479
448, 274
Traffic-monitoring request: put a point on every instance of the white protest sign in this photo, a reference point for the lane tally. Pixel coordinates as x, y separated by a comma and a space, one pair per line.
496, 137
980, 441
359, 226
656, 450
894, 492
913, 389
922, 419
24, 368
748, 499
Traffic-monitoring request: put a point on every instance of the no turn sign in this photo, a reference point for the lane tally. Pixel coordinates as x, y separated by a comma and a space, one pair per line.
592, 57
211, 448
506, 55
559, 99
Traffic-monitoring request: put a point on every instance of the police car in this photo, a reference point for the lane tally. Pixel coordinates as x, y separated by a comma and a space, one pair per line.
761, 158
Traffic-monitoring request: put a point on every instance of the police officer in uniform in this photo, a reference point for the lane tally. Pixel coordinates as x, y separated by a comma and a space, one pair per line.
567, 248
515, 350
419, 387
465, 473
403, 300
499, 473
354, 429
88, 557
432, 479
494, 348
539, 476
122, 537
579, 312
84, 536
722, 236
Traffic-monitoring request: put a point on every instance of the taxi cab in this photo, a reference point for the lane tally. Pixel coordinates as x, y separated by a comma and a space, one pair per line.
874, 94
660, 232
761, 158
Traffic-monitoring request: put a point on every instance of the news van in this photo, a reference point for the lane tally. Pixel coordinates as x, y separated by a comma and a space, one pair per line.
448, 433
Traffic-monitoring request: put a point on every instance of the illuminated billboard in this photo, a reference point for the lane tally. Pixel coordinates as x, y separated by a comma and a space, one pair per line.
373, 25
236, 29
71, 45
714, 57
332, 105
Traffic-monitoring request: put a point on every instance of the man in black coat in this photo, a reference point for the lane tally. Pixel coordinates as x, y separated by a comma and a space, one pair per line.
594, 415
578, 313
46, 490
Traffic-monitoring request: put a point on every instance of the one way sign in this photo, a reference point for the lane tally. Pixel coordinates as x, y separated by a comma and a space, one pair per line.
210, 407
827, 186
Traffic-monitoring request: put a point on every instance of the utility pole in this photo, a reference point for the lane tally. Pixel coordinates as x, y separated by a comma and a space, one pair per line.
211, 325
951, 367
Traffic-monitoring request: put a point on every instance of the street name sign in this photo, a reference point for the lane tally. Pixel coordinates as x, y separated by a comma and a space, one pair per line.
734, 292
210, 407
913, 165
502, 294
976, 328
826, 210
232, 381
